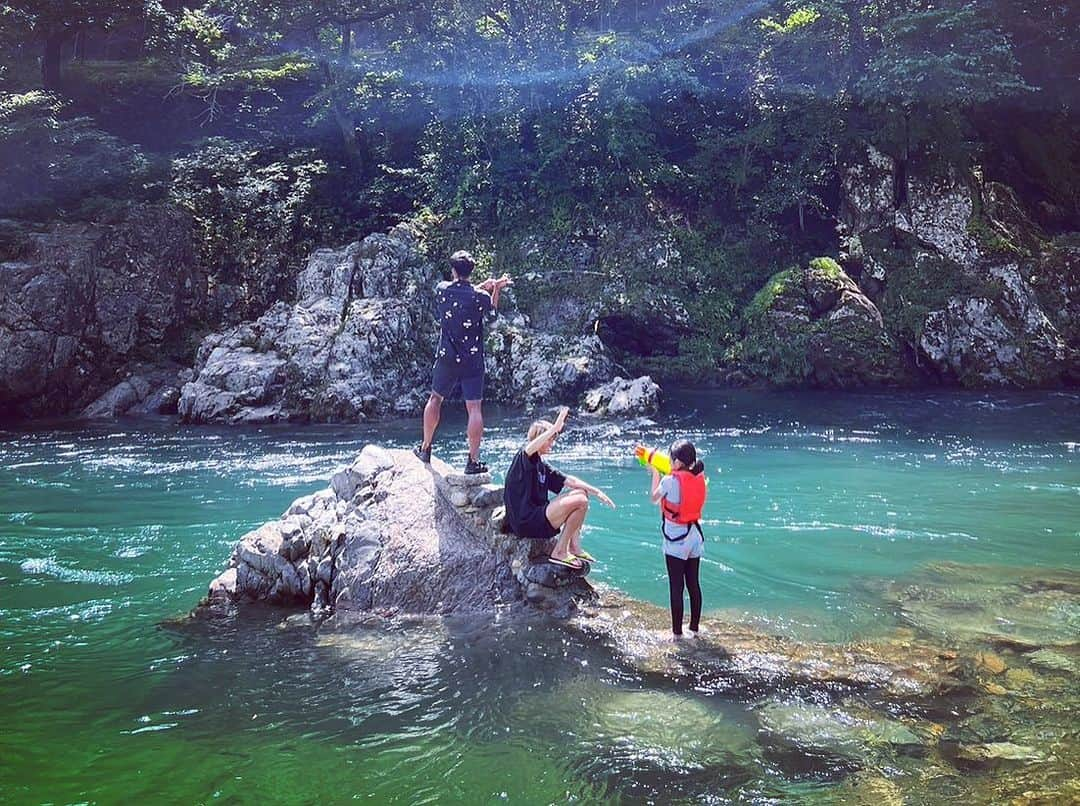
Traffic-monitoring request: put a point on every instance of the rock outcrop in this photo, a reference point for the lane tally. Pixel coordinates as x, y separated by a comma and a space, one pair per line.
393, 536
359, 342
79, 302
622, 397
814, 326
390, 535
969, 287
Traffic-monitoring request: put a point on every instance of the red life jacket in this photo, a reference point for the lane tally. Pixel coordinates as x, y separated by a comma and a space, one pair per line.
692, 493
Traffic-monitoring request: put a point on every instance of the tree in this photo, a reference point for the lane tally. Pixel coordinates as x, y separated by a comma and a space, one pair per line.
54, 24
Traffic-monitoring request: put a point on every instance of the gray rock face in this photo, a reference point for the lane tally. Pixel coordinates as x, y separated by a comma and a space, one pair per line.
148, 390
622, 397
393, 535
359, 343
1008, 341
964, 279
79, 301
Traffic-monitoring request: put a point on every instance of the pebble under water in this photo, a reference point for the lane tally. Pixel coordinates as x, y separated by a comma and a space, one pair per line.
831, 518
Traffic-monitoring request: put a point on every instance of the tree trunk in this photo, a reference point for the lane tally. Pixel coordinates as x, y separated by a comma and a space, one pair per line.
343, 120
50, 60
346, 40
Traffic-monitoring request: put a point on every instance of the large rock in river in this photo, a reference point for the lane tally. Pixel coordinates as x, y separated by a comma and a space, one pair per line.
391, 534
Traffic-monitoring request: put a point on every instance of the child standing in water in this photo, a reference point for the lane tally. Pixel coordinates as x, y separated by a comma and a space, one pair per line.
681, 496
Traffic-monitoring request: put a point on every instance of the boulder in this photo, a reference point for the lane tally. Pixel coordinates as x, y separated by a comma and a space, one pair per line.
393, 535
814, 326
146, 390
621, 397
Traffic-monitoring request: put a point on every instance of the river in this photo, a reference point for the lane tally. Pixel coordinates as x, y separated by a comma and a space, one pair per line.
816, 504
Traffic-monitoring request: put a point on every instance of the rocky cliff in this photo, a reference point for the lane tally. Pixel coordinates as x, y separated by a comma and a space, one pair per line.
359, 342
85, 307
971, 290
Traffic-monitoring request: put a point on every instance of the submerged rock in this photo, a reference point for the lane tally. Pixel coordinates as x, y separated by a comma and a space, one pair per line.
1024, 609
733, 658
623, 398
848, 731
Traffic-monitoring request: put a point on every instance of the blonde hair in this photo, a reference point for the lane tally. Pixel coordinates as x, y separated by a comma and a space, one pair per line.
537, 428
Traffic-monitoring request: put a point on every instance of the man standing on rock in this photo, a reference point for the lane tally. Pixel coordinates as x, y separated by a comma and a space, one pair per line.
459, 360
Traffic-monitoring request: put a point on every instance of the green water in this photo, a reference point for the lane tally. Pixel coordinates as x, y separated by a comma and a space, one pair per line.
816, 502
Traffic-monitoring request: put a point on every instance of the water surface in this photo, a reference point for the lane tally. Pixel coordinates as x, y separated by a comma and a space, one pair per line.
816, 503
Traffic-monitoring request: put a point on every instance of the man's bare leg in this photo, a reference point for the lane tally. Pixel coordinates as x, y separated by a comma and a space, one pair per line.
475, 429
432, 412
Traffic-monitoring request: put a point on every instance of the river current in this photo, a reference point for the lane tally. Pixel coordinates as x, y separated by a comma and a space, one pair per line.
109, 532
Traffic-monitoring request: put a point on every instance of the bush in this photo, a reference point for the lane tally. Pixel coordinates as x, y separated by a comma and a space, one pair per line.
258, 213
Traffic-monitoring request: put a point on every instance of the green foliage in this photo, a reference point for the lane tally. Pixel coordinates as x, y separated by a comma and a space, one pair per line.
763, 301
53, 164
257, 212
827, 267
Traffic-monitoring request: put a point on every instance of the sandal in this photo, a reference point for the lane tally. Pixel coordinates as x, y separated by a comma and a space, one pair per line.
565, 563
584, 555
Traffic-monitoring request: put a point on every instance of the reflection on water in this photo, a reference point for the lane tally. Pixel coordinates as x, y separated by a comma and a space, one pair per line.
825, 514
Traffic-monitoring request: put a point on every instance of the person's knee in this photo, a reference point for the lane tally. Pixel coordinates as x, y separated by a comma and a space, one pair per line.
435, 399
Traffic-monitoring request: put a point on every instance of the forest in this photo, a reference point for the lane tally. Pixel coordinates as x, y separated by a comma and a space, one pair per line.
665, 158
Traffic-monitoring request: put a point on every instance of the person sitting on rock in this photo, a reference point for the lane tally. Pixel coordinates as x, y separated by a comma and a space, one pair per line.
459, 360
681, 496
529, 514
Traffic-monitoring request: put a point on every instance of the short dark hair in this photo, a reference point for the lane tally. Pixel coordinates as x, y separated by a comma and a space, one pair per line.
462, 263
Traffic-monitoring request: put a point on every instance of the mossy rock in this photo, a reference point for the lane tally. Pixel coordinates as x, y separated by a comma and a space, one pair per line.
813, 326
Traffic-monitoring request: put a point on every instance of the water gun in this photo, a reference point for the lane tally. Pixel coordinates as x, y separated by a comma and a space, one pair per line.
651, 457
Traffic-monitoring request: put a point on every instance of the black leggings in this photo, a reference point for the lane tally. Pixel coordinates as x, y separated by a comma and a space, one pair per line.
677, 571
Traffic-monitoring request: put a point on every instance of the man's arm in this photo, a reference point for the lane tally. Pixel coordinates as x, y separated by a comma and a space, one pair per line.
574, 483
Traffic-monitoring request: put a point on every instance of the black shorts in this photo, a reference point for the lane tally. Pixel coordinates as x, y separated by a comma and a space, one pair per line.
447, 375
535, 526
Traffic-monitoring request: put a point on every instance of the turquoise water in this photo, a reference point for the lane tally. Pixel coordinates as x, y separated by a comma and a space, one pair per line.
108, 531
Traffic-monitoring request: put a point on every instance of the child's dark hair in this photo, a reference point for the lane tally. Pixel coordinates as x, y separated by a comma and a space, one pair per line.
685, 452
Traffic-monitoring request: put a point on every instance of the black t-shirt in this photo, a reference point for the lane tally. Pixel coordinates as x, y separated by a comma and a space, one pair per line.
528, 482
461, 313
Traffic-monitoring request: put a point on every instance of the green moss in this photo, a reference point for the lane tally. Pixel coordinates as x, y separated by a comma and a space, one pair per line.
765, 298
990, 238
826, 266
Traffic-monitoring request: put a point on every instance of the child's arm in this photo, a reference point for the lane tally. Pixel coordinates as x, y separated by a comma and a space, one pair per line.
535, 445
655, 492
